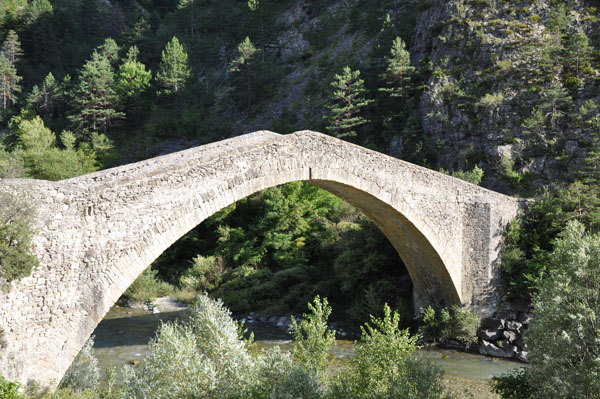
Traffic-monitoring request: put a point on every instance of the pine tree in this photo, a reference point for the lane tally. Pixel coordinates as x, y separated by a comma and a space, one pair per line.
95, 97
132, 80
346, 104
45, 99
398, 71
242, 64
9, 82
189, 4
109, 49
258, 6
579, 53
174, 70
12, 47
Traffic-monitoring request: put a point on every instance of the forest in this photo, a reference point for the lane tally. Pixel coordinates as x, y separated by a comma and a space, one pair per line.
503, 94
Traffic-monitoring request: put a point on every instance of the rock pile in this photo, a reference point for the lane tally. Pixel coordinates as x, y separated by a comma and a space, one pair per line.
502, 337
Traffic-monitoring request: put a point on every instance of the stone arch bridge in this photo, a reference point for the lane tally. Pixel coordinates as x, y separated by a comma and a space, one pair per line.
98, 232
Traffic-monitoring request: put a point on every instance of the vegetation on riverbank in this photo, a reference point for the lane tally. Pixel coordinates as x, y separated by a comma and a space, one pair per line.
215, 360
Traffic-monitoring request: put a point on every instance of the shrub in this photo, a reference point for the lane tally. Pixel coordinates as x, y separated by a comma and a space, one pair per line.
563, 338
312, 337
384, 368
456, 323
205, 274
473, 177
16, 257
203, 357
83, 374
147, 287
9, 390
463, 325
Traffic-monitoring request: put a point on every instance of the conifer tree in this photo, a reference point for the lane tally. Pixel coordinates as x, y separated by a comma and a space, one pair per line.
346, 104
12, 47
9, 82
45, 99
398, 71
578, 52
132, 80
258, 6
110, 49
189, 5
95, 97
242, 64
174, 70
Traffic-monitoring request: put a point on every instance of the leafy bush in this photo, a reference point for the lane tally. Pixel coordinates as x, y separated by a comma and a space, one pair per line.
9, 390
83, 374
473, 177
384, 368
147, 287
529, 240
16, 257
563, 338
205, 275
211, 358
456, 323
312, 337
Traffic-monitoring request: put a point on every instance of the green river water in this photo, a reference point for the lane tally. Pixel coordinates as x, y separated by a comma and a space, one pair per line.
123, 335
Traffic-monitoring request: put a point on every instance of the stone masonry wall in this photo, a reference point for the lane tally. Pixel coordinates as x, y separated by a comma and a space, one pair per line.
98, 232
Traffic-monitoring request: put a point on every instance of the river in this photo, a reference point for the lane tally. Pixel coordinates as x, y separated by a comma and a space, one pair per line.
123, 335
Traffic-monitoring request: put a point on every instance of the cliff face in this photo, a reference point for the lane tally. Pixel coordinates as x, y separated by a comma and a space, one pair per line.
510, 87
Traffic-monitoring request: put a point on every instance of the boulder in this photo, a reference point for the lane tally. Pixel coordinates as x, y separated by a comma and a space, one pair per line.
509, 349
521, 355
272, 320
525, 318
489, 349
493, 323
487, 334
514, 326
282, 322
510, 336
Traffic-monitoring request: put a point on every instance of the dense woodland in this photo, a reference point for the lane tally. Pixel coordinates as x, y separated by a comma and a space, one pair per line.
501, 93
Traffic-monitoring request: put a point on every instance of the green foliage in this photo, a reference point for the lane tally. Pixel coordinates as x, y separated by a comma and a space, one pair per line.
530, 240
83, 374
212, 359
16, 256
383, 367
347, 104
43, 159
242, 67
9, 390
312, 337
9, 82
564, 339
456, 323
132, 78
205, 275
474, 176
174, 70
95, 97
147, 287
398, 72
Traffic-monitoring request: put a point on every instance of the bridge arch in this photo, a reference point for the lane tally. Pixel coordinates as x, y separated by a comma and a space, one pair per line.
100, 231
